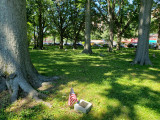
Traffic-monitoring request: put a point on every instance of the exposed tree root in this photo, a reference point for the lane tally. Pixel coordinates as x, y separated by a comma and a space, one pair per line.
2, 85
142, 62
15, 83
48, 79
86, 51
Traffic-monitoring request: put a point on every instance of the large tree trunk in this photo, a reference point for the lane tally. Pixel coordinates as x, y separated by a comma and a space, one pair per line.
87, 45
142, 53
16, 68
118, 47
111, 36
111, 25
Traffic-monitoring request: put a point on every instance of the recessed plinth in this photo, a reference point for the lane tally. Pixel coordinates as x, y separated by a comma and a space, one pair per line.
83, 106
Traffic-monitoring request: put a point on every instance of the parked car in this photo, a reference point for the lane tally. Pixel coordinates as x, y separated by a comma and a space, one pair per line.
67, 44
97, 45
135, 45
130, 45
122, 45
79, 44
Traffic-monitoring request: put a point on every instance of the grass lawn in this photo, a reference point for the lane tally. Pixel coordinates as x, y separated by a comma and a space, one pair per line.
117, 90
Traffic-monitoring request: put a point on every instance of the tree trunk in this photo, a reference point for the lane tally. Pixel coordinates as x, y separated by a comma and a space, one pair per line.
158, 42
142, 52
35, 41
118, 47
66, 42
40, 27
2, 83
87, 45
16, 67
37, 37
75, 37
54, 40
111, 36
61, 40
75, 42
111, 24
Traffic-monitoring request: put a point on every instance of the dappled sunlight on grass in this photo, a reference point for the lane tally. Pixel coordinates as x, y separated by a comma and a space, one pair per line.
154, 69
145, 113
117, 90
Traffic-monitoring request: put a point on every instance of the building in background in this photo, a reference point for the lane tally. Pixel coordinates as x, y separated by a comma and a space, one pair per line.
97, 42
152, 39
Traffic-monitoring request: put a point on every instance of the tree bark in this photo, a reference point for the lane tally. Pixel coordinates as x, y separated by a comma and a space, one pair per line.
118, 47
35, 41
16, 67
54, 40
61, 40
75, 43
75, 36
111, 24
40, 35
158, 41
87, 45
142, 52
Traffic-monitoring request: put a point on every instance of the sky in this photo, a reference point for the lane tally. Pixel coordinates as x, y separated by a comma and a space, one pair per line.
131, 1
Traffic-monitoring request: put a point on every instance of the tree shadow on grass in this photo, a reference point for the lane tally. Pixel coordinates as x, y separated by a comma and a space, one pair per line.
129, 97
93, 69
121, 99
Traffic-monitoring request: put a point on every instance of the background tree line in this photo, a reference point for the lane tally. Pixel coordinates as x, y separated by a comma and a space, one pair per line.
77, 20
66, 20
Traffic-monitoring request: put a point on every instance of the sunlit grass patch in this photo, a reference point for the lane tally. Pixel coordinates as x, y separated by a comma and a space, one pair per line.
146, 113
117, 90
